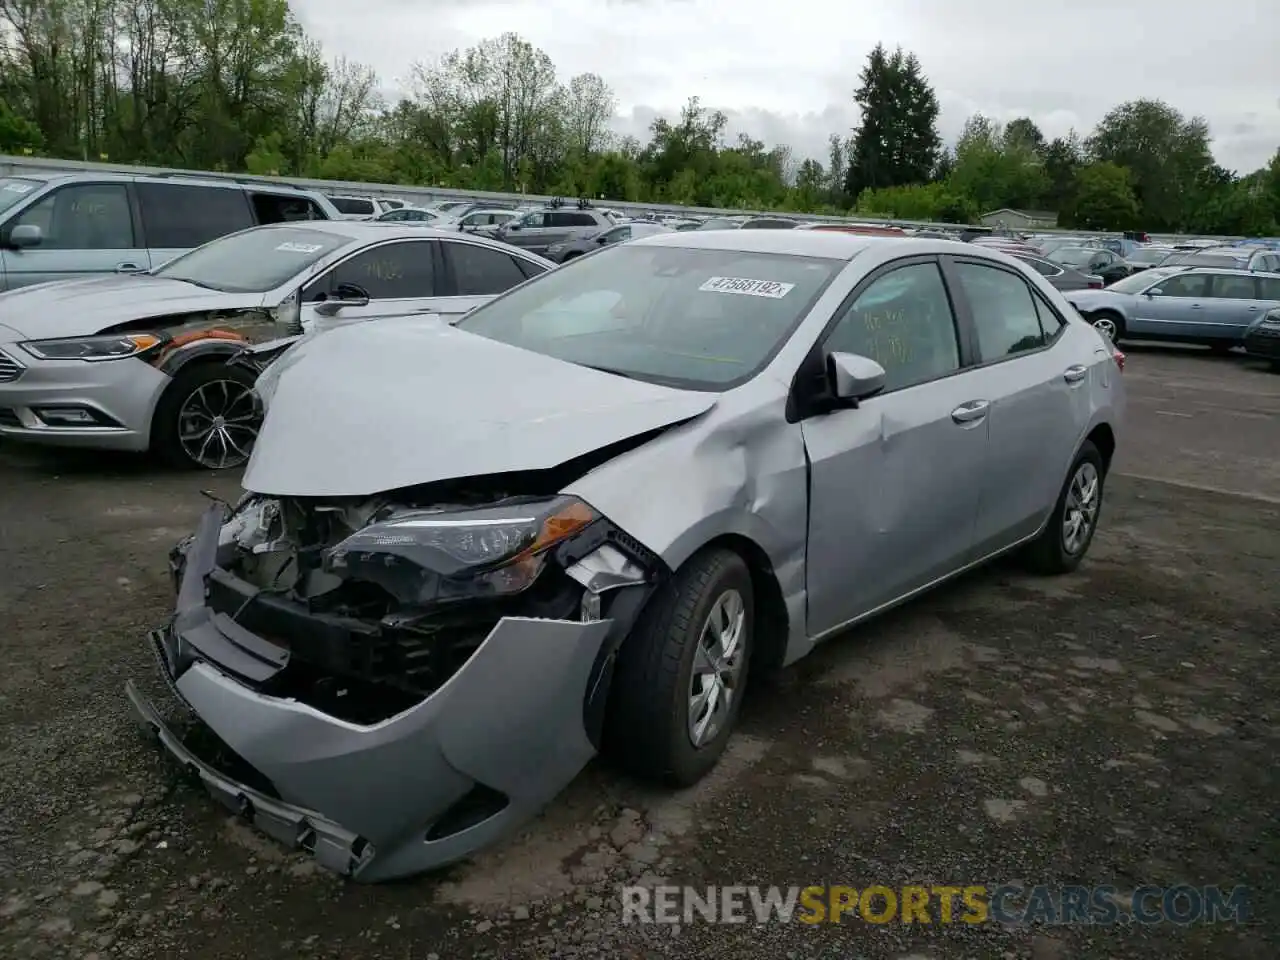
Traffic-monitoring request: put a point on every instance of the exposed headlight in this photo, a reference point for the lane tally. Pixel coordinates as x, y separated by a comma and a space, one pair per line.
1272, 319
423, 556
108, 347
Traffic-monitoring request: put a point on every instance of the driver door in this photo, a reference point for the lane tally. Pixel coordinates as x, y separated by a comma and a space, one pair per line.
895, 482
1171, 308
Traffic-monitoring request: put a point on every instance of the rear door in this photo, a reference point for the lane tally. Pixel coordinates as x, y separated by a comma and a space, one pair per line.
401, 278
1233, 304
1037, 384
529, 232
177, 217
88, 228
475, 274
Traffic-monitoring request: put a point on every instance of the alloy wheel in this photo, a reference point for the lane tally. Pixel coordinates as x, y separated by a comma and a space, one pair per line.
218, 424
1081, 511
717, 667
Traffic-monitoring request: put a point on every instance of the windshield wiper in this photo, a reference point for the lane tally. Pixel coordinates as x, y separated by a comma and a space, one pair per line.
195, 283
613, 370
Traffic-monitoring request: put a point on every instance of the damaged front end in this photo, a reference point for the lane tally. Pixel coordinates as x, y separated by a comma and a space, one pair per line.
395, 682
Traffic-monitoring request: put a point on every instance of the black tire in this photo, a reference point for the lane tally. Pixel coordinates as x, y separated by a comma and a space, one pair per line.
166, 442
648, 721
1275, 366
1049, 553
1220, 349
1108, 316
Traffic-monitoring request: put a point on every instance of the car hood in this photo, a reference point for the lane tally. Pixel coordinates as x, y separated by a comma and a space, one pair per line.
77, 308
368, 408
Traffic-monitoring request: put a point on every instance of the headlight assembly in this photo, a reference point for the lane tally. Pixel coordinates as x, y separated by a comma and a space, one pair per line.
106, 347
422, 556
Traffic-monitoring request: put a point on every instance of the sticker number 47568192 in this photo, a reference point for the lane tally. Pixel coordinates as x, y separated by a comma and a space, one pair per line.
746, 287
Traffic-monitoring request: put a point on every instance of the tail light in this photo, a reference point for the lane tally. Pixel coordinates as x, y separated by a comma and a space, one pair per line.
1095, 283
1118, 357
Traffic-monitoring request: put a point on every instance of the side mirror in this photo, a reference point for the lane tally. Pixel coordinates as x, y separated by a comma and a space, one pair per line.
344, 295
1154, 292
511, 226
25, 235
602, 239
851, 377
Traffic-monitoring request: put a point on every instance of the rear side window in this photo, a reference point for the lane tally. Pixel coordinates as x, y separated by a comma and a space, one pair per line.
1226, 286
83, 216
1043, 267
1269, 288
179, 217
1004, 314
480, 271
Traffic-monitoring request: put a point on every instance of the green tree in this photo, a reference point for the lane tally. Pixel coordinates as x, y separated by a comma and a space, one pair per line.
1166, 154
896, 141
995, 170
1105, 198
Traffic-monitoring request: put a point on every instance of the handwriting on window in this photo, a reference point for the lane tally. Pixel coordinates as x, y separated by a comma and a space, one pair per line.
385, 270
887, 340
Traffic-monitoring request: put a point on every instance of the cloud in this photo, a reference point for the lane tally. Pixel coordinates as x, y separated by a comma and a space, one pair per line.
786, 72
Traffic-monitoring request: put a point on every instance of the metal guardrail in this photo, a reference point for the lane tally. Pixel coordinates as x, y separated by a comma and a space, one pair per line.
418, 194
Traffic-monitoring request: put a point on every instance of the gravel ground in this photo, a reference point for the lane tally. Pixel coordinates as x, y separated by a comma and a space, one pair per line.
1119, 726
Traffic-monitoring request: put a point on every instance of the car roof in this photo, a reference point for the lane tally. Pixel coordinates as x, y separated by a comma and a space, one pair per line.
367, 230
829, 244
181, 179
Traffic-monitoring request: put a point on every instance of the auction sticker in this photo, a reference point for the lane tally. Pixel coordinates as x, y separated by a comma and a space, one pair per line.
746, 287
300, 247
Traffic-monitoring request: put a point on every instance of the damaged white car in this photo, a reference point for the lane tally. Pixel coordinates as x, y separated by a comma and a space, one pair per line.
471, 557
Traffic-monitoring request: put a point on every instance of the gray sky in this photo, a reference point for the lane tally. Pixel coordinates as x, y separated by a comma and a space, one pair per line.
785, 71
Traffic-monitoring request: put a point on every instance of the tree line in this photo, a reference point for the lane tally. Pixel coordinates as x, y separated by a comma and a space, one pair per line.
238, 86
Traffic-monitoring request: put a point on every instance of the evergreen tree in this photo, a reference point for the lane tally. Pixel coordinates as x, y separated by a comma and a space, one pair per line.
897, 140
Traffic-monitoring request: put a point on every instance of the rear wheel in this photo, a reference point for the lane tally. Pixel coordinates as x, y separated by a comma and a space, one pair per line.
207, 419
1067, 536
1109, 324
678, 687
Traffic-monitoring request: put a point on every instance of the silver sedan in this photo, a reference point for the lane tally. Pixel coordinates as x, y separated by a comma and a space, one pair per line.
583, 516
138, 362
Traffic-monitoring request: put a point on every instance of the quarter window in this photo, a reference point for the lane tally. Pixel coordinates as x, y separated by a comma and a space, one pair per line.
177, 217
480, 271
903, 321
89, 216
392, 271
1004, 314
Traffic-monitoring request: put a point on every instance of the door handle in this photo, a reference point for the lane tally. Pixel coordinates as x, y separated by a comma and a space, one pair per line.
1075, 373
1196, 306
127, 267
970, 412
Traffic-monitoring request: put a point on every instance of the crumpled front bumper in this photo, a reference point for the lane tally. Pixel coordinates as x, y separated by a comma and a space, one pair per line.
424, 788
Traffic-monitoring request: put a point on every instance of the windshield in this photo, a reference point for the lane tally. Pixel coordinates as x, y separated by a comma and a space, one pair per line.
1074, 256
253, 261
1150, 255
13, 189
1137, 282
698, 319
1205, 260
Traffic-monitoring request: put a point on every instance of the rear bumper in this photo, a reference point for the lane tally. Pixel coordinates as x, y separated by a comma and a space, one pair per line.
417, 791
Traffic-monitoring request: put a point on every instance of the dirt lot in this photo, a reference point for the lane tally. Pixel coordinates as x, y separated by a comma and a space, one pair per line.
1119, 726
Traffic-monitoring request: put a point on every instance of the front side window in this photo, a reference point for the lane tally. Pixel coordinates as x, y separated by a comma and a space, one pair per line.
389, 271
618, 234
353, 206
85, 216
700, 319
903, 321
254, 261
179, 217
1004, 314
1184, 285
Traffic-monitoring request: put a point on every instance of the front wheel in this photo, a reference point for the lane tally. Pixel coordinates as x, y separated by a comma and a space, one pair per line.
678, 687
207, 419
1067, 536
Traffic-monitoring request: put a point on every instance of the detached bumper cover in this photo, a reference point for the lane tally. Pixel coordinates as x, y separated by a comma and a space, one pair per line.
400, 796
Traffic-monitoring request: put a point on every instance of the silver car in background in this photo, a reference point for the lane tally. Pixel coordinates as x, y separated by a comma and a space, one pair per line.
138, 362
584, 515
